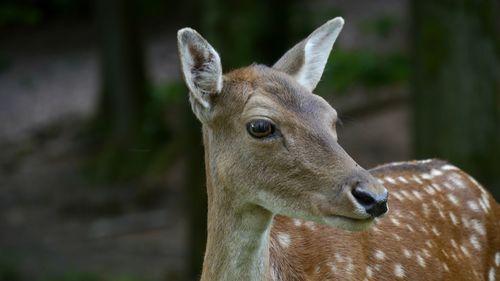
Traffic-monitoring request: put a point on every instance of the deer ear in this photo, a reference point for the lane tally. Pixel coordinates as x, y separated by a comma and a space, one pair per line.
306, 60
201, 69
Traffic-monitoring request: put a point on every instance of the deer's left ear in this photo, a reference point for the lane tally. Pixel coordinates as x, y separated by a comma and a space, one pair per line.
306, 60
202, 70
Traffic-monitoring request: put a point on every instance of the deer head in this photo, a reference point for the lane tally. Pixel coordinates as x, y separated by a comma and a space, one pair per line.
271, 142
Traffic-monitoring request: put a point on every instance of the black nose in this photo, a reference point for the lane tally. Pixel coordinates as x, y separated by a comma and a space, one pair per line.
375, 205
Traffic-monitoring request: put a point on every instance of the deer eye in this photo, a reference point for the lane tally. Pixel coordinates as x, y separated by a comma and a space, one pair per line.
260, 128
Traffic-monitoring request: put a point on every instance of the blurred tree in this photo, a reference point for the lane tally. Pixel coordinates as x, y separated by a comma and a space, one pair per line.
247, 31
121, 110
456, 91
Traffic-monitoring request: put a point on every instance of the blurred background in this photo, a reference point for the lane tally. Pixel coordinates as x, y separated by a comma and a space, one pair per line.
101, 164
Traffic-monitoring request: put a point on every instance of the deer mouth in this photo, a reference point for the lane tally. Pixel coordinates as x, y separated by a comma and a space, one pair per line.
349, 223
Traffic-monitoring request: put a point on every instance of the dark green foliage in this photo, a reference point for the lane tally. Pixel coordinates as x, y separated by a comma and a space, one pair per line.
382, 26
15, 14
154, 148
9, 271
354, 68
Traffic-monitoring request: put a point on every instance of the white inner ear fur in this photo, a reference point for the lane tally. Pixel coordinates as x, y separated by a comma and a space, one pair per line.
316, 51
306, 60
200, 64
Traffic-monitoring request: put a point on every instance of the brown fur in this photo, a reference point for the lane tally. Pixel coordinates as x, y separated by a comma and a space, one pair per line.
442, 225
321, 252
313, 249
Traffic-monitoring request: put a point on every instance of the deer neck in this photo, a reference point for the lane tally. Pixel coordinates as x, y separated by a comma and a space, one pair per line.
238, 234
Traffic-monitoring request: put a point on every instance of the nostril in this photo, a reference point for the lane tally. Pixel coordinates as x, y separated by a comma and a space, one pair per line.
375, 206
363, 197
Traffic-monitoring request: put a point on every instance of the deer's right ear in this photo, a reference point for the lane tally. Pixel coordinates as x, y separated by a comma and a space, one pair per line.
306, 61
201, 69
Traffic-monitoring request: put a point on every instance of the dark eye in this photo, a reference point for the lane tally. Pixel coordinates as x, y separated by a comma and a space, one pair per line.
260, 128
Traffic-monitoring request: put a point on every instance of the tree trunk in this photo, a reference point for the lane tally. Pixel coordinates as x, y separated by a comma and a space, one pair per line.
119, 119
456, 90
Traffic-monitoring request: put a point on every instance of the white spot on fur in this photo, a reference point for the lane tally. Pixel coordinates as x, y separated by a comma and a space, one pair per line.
435, 231
436, 204
424, 230
425, 210
417, 180
436, 173
445, 253
417, 194
453, 199
437, 187
407, 253
381, 181
491, 274
473, 205
497, 259
429, 190
426, 176
369, 272
397, 213
448, 186
349, 266
395, 221
441, 214
333, 267
464, 250
484, 198
379, 255
284, 239
478, 227
310, 225
465, 222
475, 242
454, 243
453, 218
426, 253
445, 267
407, 195
402, 179
297, 222
420, 260
483, 206
457, 180
390, 180
339, 258
410, 228
397, 196
397, 237
399, 271
448, 167
428, 243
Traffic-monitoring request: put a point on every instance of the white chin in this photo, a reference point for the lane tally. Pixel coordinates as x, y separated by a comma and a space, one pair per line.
348, 223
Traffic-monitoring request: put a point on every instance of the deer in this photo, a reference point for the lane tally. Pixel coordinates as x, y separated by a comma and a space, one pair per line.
287, 203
